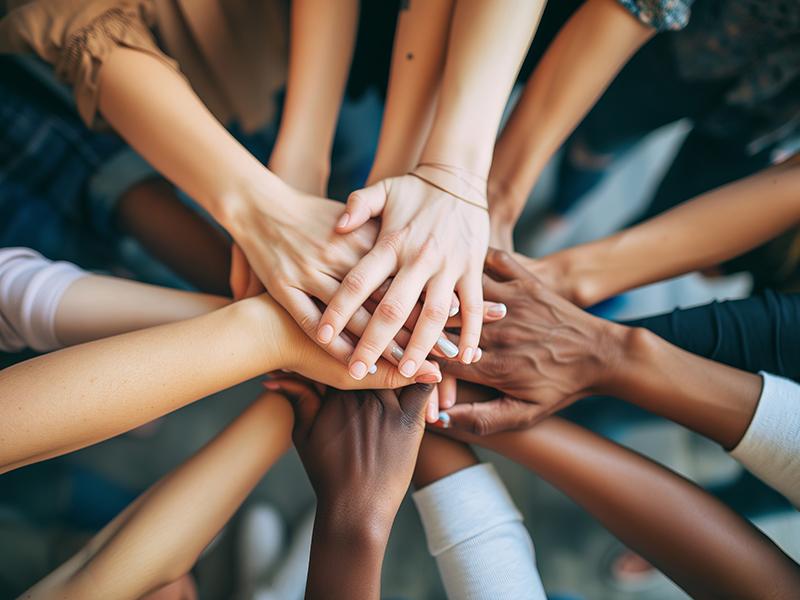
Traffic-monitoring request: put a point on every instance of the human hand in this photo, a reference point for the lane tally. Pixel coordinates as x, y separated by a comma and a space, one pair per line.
545, 354
297, 353
300, 260
435, 243
359, 448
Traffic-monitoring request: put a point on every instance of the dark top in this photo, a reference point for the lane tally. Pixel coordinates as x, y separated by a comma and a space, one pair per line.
760, 333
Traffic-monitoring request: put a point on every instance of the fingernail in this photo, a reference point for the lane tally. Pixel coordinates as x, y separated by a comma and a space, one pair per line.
454, 310
397, 353
433, 413
358, 370
428, 378
325, 333
444, 420
478, 354
466, 358
408, 368
373, 369
343, 220
498, 310
448, 348
272, 385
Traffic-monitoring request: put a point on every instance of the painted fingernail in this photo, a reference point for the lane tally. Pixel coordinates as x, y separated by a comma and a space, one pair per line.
343, 220
272, 385
478, 354
408, 368
397, 353
466, 358
454, 310
373, 369
358, 370
497, 310
448, 348
444, 420
325, 333
428, 378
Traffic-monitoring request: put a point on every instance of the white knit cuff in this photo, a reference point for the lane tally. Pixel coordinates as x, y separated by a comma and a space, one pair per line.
464, 505
770, 447
31, 288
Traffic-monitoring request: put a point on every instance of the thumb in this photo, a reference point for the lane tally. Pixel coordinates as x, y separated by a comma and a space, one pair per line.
494, 416
501, 264
414, 399
362, 205
305, 402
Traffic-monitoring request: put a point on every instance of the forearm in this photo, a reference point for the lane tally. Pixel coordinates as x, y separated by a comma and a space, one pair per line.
160, 539
487, 43
712, 399
78, 396
418, 57
322, 40
95, 307
157, 112
346, 556
703, 232
580, 63
694, 539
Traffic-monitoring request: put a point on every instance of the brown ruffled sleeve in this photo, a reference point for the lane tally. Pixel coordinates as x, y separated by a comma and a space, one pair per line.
76, 36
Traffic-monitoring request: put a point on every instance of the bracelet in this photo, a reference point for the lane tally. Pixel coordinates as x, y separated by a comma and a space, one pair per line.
449, 192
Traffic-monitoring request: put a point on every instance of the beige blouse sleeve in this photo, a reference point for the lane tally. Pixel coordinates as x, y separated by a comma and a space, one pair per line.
76, 36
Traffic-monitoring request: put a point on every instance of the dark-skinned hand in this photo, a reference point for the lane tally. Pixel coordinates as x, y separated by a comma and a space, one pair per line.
545, 354
359, 448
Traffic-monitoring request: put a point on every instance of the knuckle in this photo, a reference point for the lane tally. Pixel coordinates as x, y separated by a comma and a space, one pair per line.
482, 425
435, 312
472, 309
390, 309
308, 323
354, 282
369, 349
392, 241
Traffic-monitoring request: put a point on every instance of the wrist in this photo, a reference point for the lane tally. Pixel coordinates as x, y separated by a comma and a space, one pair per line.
303, 165
259, 319
236, 208
629, 354
364, 532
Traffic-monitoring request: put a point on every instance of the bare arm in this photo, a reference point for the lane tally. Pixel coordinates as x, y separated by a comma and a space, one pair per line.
580, 63
157, 540
96, 307
418, 56
78, 396
694, 539
703, 232
321, 49
431, 238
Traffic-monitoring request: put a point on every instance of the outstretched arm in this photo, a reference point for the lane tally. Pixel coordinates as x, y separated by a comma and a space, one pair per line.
580, 63
321, 48
434, 226
702, 232
418, 54
159, 537
78, 396
694, 539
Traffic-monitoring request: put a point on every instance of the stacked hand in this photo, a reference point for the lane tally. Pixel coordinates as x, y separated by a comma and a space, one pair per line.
431, 242
544, 355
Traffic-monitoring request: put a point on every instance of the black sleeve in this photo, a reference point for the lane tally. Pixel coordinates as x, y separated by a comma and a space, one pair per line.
760, 333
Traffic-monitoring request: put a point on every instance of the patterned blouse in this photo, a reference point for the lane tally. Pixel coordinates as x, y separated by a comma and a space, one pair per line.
755, 44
